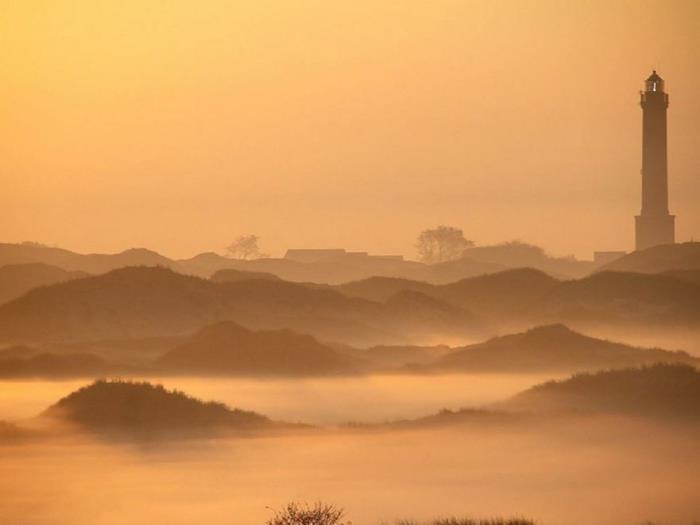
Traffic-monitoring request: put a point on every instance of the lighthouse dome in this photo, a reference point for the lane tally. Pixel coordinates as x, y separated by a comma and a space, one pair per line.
654, 83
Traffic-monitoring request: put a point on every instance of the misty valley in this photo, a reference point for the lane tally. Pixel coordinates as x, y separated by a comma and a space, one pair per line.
169, 397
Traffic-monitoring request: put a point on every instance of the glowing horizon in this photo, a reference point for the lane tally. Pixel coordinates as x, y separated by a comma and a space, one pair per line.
176, 127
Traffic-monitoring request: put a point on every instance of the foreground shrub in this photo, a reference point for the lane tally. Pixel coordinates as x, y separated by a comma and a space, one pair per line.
316, 514
463, 521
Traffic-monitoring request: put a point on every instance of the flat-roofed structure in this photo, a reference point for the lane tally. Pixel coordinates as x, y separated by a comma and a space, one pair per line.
316, 255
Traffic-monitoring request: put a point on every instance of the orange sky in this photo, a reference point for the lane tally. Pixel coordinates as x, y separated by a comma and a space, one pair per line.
177, 125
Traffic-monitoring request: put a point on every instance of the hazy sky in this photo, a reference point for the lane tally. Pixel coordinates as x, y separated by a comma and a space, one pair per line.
177, 125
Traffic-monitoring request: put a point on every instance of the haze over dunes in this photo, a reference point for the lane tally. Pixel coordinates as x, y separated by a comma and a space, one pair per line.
350, 262
143, 302
142, 409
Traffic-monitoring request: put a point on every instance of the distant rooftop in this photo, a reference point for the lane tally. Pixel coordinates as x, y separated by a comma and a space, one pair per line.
312, 255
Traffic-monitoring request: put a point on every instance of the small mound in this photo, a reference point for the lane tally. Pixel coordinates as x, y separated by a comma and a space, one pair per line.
144, 408
669, 390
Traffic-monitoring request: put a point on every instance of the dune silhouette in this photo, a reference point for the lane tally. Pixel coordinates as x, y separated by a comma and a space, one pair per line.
140, 408
553, 348
17, 279
622, 298
228, 348
493, 294
660, 390
139, 302
662, 258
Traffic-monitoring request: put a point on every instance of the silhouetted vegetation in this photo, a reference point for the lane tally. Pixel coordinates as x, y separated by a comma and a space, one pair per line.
245, 247
661, 390
468, 521
324, 514
304, 514
444, 243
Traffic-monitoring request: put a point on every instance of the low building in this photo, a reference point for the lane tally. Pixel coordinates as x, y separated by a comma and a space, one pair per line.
315, 255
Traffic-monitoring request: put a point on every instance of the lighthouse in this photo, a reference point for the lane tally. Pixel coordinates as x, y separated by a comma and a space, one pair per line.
654, 225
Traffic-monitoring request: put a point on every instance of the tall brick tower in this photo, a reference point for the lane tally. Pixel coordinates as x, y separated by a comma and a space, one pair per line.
654, 225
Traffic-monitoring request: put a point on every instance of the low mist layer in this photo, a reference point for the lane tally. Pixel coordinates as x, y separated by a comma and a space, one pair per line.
604, 471
321, 401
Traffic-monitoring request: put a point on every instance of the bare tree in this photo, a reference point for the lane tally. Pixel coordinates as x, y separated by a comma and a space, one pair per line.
245, 247
444, 243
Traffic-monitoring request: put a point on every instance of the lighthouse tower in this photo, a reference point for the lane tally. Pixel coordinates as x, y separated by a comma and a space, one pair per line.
654, 225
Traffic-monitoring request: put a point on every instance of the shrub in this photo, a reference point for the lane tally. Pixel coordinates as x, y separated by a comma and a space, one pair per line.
467, 521
316, 514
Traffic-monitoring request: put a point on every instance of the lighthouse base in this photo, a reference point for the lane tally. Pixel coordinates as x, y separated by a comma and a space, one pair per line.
653, 230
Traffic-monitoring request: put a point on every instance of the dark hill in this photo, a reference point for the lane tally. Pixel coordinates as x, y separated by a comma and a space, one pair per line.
682, 256
130, 302
143, 409
90, 263
622, 298
496, 293
659, 390
553, 348
381, 289
451, 271
503, 293
419, 309
204, 264
524, 296
143, 302
227, 348
17, 279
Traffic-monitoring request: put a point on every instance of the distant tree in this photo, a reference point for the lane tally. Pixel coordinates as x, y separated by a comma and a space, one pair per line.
444, 243
245, 247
